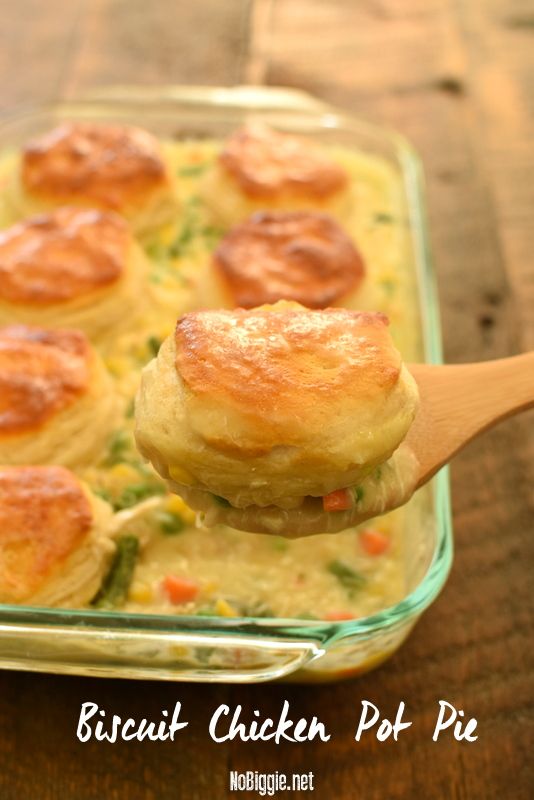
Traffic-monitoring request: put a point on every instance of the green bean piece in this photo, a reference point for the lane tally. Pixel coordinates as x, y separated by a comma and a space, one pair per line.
115, 587
205, 611
348, 578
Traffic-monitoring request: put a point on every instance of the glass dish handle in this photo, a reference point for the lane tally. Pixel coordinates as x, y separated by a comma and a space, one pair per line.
108, 652
276, 98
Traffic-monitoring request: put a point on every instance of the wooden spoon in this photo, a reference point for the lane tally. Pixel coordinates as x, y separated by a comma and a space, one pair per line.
459, 402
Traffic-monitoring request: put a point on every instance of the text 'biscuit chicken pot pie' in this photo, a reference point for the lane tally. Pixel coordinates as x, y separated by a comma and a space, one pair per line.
255, 417
336, 225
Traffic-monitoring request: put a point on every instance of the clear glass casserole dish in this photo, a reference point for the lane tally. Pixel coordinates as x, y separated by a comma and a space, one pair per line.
232, 649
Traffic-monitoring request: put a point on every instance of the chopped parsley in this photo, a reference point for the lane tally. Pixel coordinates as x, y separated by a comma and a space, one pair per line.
136, 493
192, 170
388, 286
118, 447
153, 344
359, 493
184, 238
383, 218
130, 409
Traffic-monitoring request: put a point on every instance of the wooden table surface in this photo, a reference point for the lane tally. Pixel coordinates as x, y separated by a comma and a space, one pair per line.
458, 79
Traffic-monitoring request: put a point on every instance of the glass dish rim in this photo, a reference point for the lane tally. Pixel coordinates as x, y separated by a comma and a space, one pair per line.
275, 100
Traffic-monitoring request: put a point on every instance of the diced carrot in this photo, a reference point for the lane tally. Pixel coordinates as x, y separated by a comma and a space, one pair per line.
180, 590
338, 616
374, 542
340, 500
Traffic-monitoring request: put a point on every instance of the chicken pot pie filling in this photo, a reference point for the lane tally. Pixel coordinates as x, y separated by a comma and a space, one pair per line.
162, 561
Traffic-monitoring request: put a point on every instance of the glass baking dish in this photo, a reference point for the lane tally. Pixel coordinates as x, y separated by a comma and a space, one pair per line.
118, 644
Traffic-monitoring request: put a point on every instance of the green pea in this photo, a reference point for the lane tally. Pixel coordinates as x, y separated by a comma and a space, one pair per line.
118, 446
169, 523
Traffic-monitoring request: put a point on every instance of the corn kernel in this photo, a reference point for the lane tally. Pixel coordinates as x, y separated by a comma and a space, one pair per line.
181, 475
124, 472
166, 331
179, 650
140, 593
175, 505
167, 234
224, 609
117, 366
139, 351
189, 517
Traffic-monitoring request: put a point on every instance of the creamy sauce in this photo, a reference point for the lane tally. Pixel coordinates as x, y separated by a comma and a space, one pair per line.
231, 573
386, 487
246, 574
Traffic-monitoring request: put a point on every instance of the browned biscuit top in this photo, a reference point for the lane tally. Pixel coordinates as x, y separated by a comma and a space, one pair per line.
267, 163
41, 373
113, 166
295, 255
57, 257
44, 516
288, 372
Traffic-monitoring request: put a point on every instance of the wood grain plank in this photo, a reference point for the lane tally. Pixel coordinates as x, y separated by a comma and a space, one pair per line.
132, 42
35, 48
503, 96
457, 79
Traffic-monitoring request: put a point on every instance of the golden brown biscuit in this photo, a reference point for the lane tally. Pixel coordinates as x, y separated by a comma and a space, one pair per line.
73, 267
288, 255
56, 399
113, 167
54, 537
272, 405
267, 163
260, 168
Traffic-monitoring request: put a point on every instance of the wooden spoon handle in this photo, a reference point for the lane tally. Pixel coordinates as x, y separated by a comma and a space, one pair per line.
460, 401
